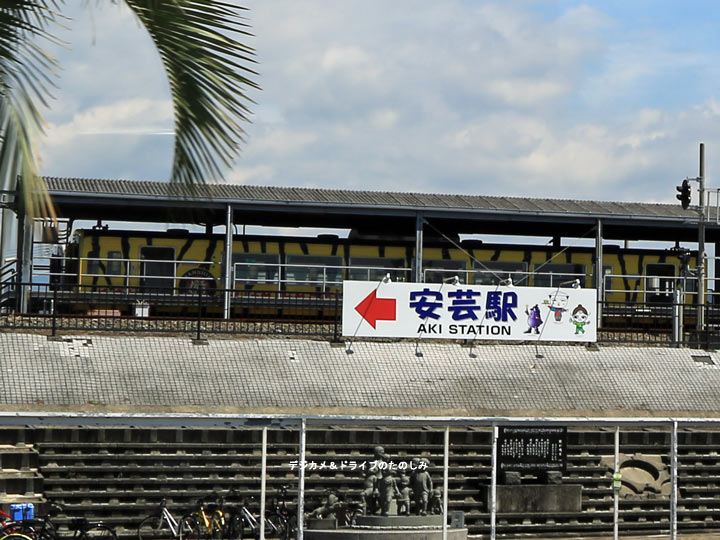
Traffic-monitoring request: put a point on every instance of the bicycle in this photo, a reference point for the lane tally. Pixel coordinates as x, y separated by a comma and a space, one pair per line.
41, 527
242, 523
165, 525
282, 517
44, 528
210, 519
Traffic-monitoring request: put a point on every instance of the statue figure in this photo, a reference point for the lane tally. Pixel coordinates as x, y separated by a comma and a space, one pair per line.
421, 484
328, 507
379, 457
404, 497
370, 493
387, 487
436, 501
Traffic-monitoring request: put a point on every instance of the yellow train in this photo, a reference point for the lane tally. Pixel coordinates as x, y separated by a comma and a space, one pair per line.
178, 262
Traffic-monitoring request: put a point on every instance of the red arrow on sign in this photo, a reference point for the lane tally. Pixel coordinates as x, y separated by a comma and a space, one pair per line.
374, 309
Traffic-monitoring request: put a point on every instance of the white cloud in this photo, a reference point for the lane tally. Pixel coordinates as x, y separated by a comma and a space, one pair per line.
251, 175
526, 92
128, 139
134, 117
344, 58
279, 141
384, 119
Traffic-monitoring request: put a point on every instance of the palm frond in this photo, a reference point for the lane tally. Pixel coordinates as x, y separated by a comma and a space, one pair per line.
26, 73
209, 73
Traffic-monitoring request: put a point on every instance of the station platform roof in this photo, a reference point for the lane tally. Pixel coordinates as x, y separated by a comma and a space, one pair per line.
174, 376
122, 200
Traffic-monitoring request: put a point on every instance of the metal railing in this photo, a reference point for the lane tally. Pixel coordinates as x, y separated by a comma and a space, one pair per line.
200, 312
169, 310
131, 275
322, 277
278, 275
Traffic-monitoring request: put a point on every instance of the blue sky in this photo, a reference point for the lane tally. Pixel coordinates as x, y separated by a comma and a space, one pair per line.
564, 99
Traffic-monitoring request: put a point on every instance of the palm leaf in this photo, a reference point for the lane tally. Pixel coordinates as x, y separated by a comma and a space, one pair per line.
206, 66
25, 75
208, 73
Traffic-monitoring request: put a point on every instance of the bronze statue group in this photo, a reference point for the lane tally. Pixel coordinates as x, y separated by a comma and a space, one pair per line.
414, 491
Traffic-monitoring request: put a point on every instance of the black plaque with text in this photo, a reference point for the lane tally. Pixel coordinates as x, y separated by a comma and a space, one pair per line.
532, 449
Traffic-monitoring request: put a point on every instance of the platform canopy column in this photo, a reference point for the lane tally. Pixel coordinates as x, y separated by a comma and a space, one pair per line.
24, 255
228, 271
419, 221
599, 275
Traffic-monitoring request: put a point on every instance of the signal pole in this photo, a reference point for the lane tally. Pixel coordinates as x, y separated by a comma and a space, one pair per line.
701, 246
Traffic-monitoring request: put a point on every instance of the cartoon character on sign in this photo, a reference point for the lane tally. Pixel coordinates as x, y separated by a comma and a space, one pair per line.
534, 320
580, 317
557, 304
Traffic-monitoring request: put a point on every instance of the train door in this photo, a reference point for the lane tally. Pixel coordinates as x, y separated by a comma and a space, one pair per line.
157, 268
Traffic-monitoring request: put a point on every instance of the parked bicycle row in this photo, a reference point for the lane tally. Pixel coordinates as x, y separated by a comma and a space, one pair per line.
28, 526
220, 517
217, 516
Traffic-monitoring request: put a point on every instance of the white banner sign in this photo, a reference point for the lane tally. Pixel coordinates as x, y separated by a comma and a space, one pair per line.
434, 310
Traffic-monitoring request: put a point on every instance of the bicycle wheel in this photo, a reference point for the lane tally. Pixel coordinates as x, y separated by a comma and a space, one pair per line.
16, 536
217, 526
234, 528
188, 528
34, 529
275, 526
290, 526
19, 527
98, 532
201, 525
154, 527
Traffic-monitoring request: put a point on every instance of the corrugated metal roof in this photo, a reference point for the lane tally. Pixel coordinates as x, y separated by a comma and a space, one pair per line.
258, 194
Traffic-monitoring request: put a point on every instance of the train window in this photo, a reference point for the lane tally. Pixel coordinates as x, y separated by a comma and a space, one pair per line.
553, 274
376, 268
314, 269
256, 267
659, 282
114, 263
438, 270
106, 265
492, 272
93, 266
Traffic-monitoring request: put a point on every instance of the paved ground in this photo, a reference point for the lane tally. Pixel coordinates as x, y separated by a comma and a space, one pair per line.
171, 374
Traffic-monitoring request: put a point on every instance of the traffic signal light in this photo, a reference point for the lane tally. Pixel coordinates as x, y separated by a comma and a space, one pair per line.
684, 195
